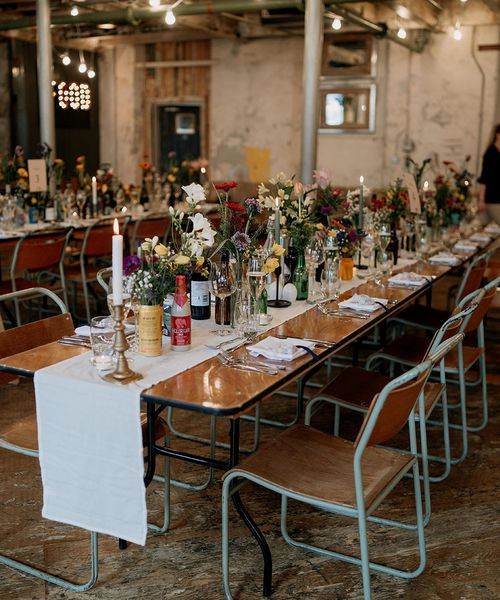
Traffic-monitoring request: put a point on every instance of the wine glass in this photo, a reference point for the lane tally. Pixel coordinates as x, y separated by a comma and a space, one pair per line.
222, 284
367, 249
330, 281
81, 200
385, 264
314, 255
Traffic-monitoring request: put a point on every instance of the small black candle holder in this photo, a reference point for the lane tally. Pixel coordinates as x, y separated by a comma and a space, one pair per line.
277, 303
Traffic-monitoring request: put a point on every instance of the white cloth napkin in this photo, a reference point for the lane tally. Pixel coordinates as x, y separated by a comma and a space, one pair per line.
407, 278
492, 228
481, 238
363, 303
444, 258
279, 349
465, 246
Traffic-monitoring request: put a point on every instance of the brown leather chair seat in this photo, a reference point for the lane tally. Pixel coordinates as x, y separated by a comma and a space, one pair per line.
309, 462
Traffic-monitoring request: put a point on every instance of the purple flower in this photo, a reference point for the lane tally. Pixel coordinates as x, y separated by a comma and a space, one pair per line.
131, 264
326, 209
352, 236
241, 240
253, 205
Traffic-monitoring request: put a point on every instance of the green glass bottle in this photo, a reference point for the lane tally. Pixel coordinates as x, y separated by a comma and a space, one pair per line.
300, 276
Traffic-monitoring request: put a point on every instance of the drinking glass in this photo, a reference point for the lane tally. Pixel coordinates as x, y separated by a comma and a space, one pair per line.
256, 279
367, 249
330, 282
245, 322
384, 236
385, 262
222, 284
314, 255
81, 200
102, 335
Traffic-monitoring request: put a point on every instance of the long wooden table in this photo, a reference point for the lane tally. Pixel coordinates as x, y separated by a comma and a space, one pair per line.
214, 389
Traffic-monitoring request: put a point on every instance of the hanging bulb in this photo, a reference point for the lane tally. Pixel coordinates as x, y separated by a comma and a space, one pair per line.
74, 11
82, 67
336, 24
402, 33
154, 3
66, 60
169, 17
91, 73
457, 32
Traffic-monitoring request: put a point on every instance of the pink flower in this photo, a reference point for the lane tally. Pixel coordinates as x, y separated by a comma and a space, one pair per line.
322, 178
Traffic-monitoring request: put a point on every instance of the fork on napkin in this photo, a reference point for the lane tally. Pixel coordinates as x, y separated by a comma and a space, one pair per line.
407, 279
364, 303
280, 349
444, 258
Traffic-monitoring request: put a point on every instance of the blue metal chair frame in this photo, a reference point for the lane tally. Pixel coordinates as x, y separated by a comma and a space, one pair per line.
15, 564
359, 512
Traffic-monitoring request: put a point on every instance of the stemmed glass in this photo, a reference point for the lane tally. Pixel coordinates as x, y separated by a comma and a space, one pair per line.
81, 200
384, 236
367, 249
384, 264
314, 255
222, 284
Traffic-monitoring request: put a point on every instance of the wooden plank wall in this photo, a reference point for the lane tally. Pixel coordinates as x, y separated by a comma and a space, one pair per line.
177, 83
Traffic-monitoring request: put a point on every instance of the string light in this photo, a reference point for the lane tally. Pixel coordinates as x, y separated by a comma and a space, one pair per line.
65, 59
169, 16
91, 73
82, 67
154, 3
402, 33
457, 32
337, 24
74, 11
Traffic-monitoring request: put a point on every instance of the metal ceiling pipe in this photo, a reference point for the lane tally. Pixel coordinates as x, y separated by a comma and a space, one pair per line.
133, 14
378, 29
311, 71
44, 52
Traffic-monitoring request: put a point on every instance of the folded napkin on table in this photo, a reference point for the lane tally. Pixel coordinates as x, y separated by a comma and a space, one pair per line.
493, 228
408, 278
444, 258
279, 349
363, 303
481, 238
465, 246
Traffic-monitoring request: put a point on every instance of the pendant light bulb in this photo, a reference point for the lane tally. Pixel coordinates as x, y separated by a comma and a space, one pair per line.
154, 3
82, 67
402, 33
91, 73
457, 32
74, 11
169, 17
65, 59
337, 24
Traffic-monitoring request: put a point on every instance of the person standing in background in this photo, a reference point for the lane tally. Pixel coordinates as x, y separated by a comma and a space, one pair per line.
489, 182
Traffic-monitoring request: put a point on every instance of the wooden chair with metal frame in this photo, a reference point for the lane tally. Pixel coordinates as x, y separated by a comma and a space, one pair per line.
22, 436
408, 350
37, 261
339, 476
95, 252
149, 225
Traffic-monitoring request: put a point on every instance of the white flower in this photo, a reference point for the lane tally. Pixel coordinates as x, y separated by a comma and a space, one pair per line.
153, 241
171, 210
203, 229
262, 190
195, 193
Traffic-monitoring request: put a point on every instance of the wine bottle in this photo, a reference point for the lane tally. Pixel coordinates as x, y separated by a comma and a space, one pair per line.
200, 297
180, 318
292, 257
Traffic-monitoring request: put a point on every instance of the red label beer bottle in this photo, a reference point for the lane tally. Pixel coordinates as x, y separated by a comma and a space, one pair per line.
180, 320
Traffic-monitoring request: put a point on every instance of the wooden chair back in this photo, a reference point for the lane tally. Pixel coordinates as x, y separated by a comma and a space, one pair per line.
473, 277
398, 400
97, 240
484, 304
38, 253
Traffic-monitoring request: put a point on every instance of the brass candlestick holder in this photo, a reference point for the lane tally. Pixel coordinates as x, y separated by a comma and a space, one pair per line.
123, 373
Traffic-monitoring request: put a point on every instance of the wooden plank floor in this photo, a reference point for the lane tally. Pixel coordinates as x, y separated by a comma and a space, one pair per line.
463, 537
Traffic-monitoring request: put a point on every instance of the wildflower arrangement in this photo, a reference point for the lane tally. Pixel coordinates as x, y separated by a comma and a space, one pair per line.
281, 195
394, 203
346, 235
351, 204
105, 179
328, 198
13, 170
184, 172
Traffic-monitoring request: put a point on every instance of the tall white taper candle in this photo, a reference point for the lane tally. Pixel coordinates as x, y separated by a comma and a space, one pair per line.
117, 265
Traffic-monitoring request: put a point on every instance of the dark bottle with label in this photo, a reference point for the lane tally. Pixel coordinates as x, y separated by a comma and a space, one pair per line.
200, 297
292, 257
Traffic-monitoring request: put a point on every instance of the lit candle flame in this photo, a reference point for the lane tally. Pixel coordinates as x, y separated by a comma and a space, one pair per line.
361, 180
116, 227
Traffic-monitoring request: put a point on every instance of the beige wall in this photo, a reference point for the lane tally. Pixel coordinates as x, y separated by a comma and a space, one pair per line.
256, 100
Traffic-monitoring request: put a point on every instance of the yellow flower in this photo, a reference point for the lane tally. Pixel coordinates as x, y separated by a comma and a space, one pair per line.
181, 259
146, 246
80, 167
277, 250
161, 250
175, 170
58, 162
22, 173
200, 261
104, 188
80, 159
320, 226
171, 178
33, 200
23, 183
270, 265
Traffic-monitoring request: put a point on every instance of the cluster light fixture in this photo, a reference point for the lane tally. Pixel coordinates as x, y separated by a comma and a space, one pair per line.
73, 95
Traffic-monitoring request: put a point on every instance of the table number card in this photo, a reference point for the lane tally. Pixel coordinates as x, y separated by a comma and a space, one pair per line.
409, 182
37, 175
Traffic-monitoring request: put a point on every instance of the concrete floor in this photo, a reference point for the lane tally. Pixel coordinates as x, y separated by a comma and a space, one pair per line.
463, 537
